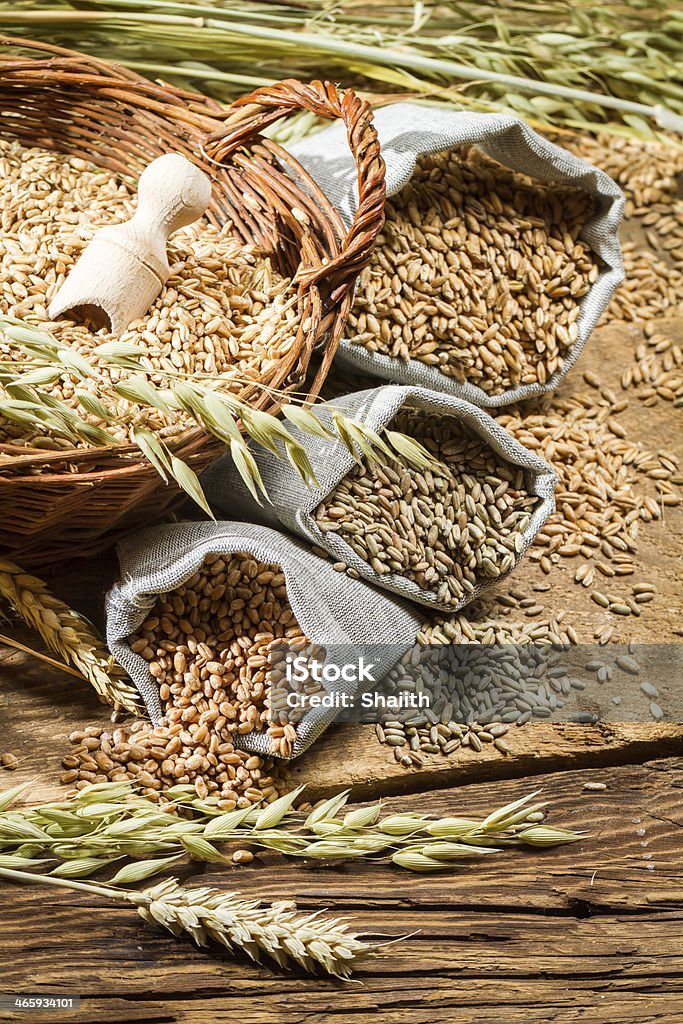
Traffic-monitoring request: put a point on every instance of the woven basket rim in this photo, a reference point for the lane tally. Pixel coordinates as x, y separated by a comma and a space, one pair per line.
65, 66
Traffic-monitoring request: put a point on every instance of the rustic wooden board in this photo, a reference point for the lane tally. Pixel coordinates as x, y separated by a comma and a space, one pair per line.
593, 931
40, 706
590, 934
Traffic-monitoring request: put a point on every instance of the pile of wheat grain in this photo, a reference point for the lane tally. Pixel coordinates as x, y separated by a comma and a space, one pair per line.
479, 272
208, 644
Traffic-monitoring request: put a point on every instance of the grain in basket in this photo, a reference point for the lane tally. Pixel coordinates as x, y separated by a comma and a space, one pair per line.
224, 317
100, 487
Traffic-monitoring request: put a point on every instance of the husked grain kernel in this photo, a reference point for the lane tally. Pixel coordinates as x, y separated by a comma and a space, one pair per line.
242, 857
478, 272
212, 690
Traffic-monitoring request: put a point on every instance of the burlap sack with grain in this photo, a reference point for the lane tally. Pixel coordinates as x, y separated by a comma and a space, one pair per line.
408, 130
345, 616
293, 504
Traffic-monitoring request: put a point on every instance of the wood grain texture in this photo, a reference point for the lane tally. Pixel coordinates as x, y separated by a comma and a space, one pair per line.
590, 933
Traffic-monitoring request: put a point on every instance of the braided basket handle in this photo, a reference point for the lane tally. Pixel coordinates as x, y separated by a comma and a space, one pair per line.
265, 106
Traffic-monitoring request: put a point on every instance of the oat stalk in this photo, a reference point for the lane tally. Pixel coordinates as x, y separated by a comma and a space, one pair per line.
108, 820
277, 930
68, 634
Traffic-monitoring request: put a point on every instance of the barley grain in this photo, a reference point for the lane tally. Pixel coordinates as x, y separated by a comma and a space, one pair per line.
449, 528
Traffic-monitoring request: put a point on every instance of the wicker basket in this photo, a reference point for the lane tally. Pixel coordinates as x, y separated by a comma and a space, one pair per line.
56, 505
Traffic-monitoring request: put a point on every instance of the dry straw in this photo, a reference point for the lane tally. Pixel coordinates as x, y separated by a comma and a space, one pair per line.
551, 63
68, 634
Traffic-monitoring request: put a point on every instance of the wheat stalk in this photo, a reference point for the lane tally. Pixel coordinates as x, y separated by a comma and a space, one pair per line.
277, 930
107, 821
68, 634
577, 64
9, 641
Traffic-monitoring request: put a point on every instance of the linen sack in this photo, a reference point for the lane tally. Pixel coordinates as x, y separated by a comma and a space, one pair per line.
409, 130
292, 503
341, 614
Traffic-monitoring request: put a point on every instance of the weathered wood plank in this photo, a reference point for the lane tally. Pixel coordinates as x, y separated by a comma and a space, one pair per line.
352, 756
605, 969
589, 934
43, 706
593, 931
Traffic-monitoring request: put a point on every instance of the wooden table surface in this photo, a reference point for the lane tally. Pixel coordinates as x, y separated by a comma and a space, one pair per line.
590, 933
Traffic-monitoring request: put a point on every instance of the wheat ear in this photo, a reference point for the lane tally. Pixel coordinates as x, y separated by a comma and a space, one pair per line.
68, 634
276, 929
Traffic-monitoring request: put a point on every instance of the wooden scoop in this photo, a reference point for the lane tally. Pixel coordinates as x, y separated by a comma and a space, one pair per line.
123, 269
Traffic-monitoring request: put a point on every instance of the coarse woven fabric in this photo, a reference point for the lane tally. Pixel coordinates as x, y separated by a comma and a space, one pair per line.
408, 130
293, 503
346, 616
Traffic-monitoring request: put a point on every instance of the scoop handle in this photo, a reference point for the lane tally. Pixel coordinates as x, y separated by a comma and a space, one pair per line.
172, 192
123, 269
